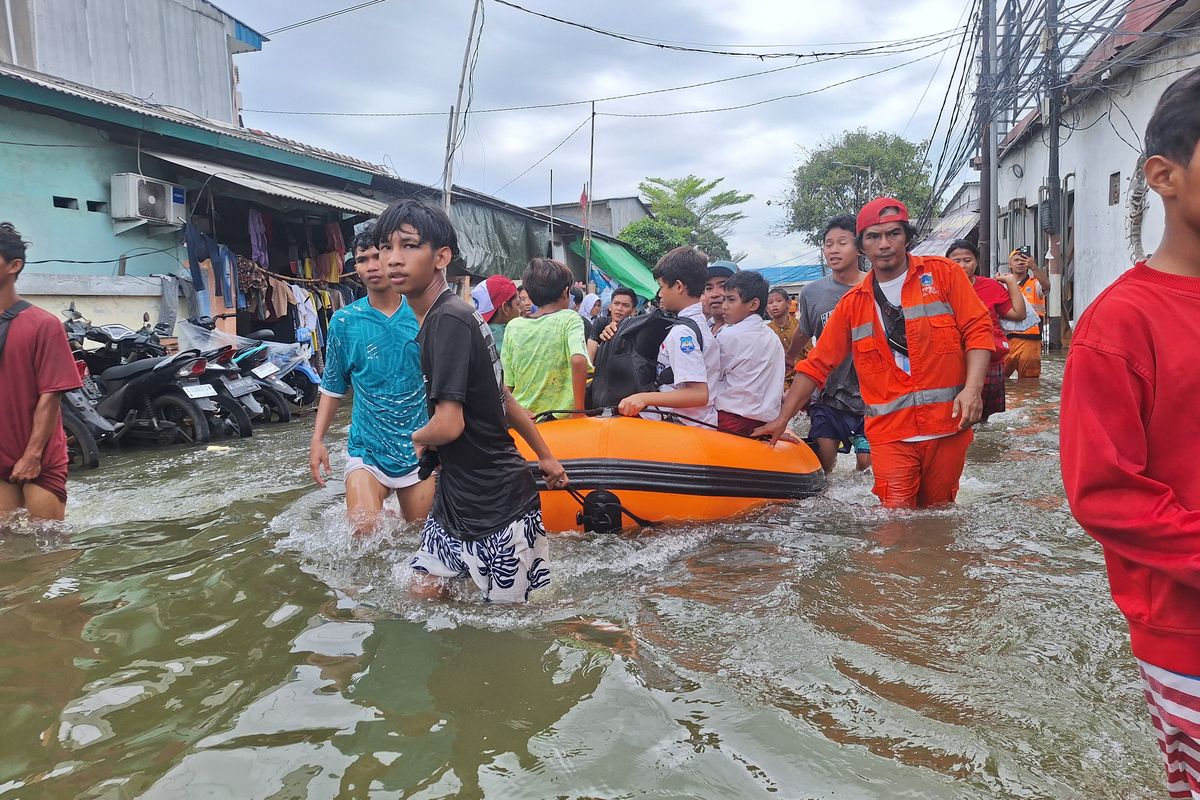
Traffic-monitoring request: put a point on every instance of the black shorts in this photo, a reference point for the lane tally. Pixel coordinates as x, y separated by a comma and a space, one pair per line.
841, 426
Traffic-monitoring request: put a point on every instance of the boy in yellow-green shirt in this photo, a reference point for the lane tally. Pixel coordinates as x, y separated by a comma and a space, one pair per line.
545, 356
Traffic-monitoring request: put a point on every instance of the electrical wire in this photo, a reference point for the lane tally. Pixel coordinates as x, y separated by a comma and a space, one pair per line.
553, 150
322, 17
662, 45
117, 260
537, 106
770, 99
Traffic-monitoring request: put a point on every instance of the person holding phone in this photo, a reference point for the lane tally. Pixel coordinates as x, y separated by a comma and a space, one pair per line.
1025, 345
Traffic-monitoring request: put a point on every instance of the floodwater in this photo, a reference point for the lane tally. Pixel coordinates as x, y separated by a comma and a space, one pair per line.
206, 628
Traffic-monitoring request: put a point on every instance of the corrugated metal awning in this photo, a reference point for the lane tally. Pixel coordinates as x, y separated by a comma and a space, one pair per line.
955, 226
280, 187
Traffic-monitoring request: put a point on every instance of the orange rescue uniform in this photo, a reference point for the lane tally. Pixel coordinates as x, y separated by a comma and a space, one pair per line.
1025, 348
944, 318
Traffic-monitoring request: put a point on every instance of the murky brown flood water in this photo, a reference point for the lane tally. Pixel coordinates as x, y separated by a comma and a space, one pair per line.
206, 629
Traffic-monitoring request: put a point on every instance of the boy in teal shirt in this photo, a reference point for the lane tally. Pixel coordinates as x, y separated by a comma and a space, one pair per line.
545, 356
372, 348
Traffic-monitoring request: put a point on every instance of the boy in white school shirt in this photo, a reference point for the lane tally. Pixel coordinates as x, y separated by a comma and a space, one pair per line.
751, 386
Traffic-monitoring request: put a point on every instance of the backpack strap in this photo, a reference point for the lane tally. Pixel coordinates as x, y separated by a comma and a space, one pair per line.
8, 316
893, 320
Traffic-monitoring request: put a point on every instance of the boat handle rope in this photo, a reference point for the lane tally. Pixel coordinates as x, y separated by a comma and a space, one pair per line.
668, 415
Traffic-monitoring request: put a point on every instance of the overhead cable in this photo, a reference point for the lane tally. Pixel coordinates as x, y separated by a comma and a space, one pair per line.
662, 45
330, 15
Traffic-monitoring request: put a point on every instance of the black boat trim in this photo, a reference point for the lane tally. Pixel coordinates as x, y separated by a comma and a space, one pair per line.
666, 477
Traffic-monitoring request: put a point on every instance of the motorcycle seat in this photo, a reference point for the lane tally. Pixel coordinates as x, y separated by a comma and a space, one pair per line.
127, 371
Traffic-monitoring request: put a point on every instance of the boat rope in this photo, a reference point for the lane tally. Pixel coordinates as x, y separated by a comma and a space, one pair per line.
668, 415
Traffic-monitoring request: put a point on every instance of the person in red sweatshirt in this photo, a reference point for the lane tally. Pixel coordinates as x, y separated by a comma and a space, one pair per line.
1131, 438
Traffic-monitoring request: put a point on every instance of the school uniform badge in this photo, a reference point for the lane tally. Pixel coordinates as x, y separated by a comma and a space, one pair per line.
687, 344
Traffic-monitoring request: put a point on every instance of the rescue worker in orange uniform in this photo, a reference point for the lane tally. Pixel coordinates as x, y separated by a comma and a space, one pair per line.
1025, 346
921, 341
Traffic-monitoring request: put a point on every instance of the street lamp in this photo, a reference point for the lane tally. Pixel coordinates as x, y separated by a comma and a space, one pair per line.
870, 172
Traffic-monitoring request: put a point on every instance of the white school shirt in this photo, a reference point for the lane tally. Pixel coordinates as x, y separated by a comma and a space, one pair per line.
691, 364
752, 370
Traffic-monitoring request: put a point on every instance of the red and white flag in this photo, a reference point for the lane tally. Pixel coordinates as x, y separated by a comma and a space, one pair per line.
583, 203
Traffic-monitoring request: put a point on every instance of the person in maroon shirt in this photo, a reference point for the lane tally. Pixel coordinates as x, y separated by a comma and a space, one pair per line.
1003, 299
37, 366
1130, 439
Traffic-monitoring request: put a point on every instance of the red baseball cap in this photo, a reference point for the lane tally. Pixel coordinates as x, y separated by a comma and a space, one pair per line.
881, 210
491, 294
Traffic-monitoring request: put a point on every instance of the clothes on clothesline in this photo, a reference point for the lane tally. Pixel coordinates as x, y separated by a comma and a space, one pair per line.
258, 238
199, 249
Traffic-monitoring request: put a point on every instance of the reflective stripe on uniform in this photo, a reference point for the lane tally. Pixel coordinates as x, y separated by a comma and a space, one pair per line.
920, 397
864, 331
934, 309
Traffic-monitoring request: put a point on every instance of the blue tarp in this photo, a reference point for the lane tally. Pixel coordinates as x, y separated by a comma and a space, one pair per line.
788, 275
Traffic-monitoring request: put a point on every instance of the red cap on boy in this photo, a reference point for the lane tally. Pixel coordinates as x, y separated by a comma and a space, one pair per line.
491, 294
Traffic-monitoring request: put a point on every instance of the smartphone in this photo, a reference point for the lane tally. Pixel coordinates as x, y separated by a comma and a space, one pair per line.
1026, 251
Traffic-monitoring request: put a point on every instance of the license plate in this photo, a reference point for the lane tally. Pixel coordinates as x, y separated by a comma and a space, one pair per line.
196, 390
265, 370
242, 386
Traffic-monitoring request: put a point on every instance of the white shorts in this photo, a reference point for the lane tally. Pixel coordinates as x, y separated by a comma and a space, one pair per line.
506, 566
403, 482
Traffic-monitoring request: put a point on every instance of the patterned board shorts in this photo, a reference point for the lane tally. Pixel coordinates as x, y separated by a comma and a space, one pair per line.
506, 566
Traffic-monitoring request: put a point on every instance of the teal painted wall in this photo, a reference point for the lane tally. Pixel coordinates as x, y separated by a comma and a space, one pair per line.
31, 177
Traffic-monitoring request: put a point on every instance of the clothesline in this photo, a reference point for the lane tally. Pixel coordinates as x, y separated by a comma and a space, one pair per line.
290, 279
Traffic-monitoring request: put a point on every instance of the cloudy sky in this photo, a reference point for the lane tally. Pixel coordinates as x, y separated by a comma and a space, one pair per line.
405, 56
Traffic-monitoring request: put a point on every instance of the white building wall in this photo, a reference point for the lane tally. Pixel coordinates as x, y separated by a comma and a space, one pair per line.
1093, 151
173, 52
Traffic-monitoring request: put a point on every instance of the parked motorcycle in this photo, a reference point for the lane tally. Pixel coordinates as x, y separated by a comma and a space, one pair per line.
83, 425
224, 395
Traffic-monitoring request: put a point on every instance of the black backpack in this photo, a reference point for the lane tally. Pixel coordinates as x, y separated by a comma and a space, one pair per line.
628, 362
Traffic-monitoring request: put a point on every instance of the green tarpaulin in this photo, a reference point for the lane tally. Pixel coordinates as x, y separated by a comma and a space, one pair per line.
620, 264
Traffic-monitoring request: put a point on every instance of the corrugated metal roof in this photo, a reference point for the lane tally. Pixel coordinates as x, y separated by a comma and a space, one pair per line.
182, 117
280, 187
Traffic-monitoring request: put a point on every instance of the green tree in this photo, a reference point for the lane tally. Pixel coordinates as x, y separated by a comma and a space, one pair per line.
846, 172
693, 205
651, 238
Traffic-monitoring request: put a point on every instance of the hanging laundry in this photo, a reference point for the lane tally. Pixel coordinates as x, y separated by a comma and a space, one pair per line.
333, 238
258, 239
280, 293
197, 246
224, 268
168, 309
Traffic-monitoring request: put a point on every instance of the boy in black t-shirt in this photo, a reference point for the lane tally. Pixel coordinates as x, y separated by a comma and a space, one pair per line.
486, 520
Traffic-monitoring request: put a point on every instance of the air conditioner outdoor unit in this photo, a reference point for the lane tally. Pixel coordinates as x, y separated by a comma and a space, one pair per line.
136, 197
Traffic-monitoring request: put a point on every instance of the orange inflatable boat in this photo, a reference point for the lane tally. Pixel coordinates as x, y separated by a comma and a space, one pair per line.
665, 472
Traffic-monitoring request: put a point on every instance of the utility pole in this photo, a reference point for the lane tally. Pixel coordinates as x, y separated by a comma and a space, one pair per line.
1049, 207
986, 113
552, 208
587, 234
456, 116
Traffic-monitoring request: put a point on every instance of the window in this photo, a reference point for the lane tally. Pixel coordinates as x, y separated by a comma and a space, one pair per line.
65, 202
98, 206
1114, 189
